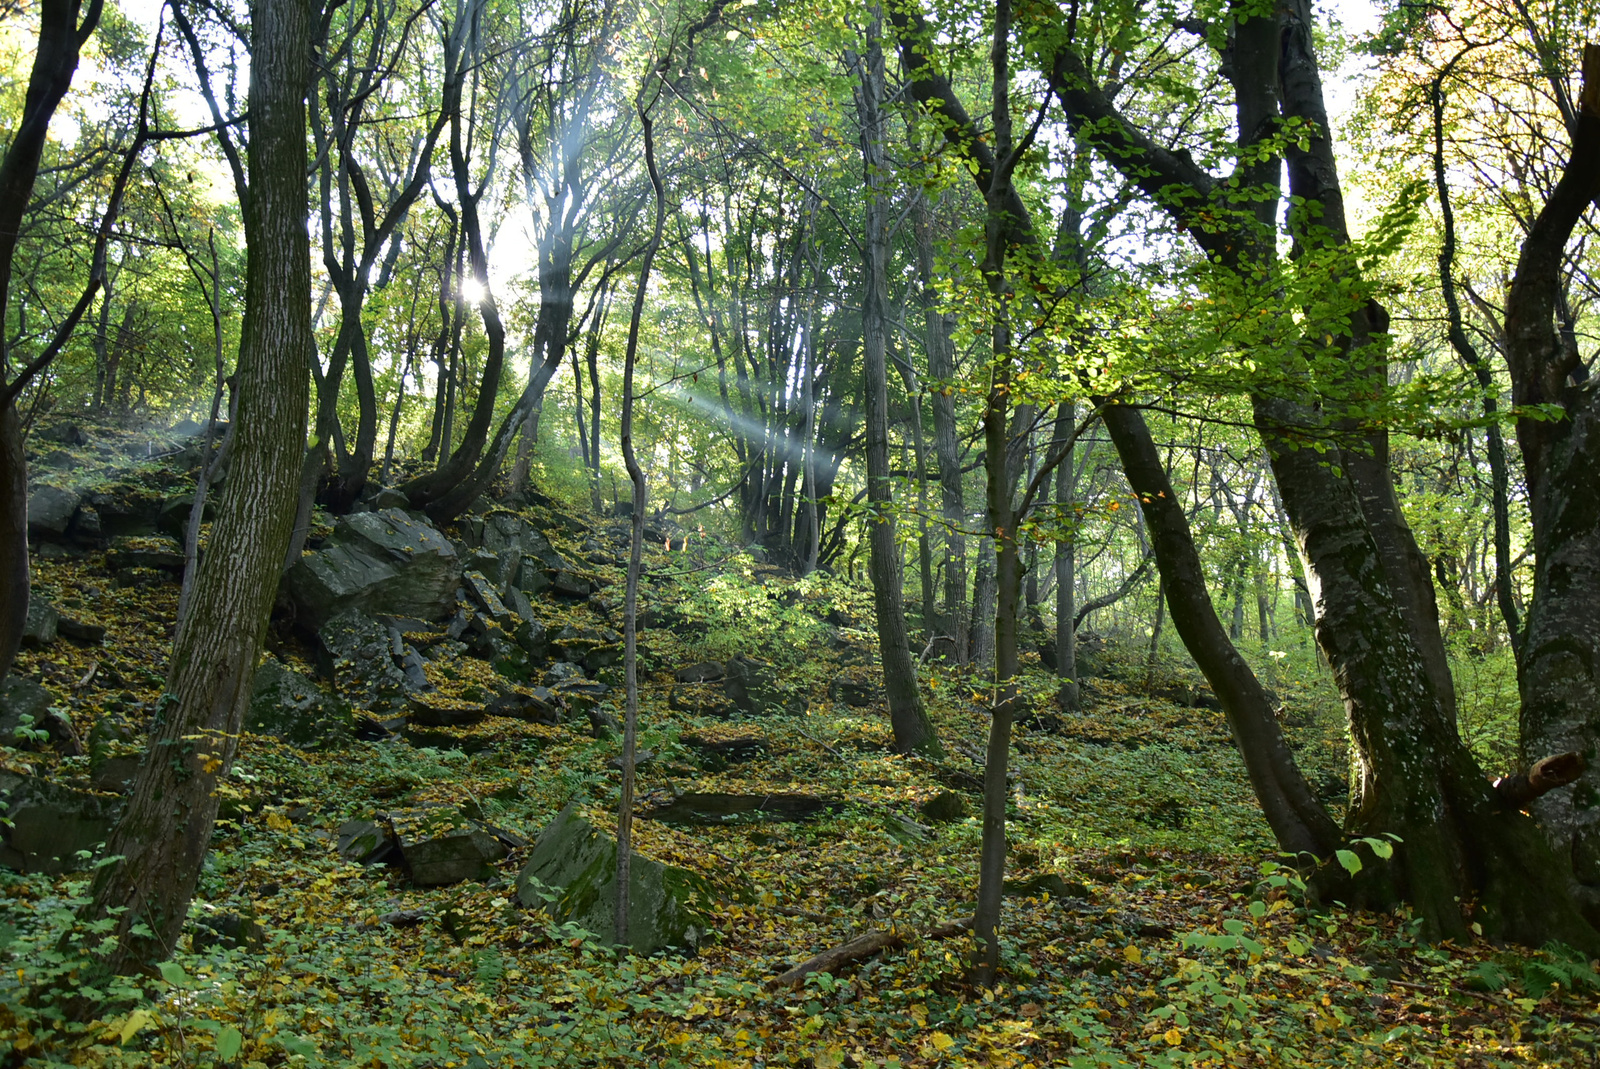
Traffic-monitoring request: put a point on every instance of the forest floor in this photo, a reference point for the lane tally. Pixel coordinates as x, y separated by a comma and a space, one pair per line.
1150, 925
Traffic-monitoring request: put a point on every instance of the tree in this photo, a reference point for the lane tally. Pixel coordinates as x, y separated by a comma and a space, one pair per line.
165, 831
1376, 620
64, 26
912, 728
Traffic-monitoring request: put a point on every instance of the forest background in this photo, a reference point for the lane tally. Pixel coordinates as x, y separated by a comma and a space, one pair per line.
1026, 318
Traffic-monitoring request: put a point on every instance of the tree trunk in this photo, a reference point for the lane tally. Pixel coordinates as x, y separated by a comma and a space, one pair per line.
1560, 667
61, 39
165, 831
1066, 564
913, 731
1298, 820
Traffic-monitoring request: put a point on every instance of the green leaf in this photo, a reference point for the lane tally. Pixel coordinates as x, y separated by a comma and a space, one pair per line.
1348, 859
228, 1043
173, 973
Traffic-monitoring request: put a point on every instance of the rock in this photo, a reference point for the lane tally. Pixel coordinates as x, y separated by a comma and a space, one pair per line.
526, 628
434, 710
572, 873
79, 631
440, 846
700, 699
365, 842
581, 694
945, 808
903, 829
752, 686
853, 693
46, 826
537, 705
704, 672
160, 552
24, 699
377, 562
571, 584
717, 752
360, 660
227, 930
1046, 883
483, 592
42, 623
113, 773
50, 511
390, 498
712, 808
288, 706
561, 672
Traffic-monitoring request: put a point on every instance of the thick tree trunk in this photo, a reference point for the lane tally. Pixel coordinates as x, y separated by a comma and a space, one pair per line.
165, 831
913, 731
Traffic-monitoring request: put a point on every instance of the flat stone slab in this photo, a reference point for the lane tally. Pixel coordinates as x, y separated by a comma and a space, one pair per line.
712, 808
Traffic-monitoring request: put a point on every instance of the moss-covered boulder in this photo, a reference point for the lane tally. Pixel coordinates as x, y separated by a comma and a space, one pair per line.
288, 706
572, 873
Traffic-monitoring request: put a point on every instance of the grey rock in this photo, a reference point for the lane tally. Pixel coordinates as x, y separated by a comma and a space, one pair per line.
50, 511
390, 498
440, 846
227, 930
537, 705
114, 772
378, 562
718, 807
753, 688
46, 826
436, 711
360, 661
80, 631
42, 623
945, 807
572, 873
561, 672
364, 842
288, 706
853, 693
704, 672
24, 699
161, 552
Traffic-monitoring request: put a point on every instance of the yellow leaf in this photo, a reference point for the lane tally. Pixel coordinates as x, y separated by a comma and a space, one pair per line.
1131, 952
278, 822
1173, 1036
941, 1042
137, 1022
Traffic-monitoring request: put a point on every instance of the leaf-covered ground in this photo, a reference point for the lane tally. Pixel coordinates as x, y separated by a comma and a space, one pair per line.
1168, 936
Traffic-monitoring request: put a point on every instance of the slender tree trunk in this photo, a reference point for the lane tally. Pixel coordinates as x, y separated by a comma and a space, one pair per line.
913, 731
1298, 820
1066, 564
61, 38
165, 831
636, 534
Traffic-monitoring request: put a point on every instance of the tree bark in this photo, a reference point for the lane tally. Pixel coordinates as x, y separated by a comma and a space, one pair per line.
1560, 665
913, 730
165, 831
61, 38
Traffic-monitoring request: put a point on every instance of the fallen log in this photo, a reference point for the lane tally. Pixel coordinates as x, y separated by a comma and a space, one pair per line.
864, 946
1547, 773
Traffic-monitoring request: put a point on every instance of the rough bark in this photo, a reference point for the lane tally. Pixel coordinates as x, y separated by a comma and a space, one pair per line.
913, 730
1560, 666
165, 831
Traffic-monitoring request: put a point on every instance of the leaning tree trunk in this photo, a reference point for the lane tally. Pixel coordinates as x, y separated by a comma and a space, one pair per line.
1298, 820
1560, 665
165, 831
909, 717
